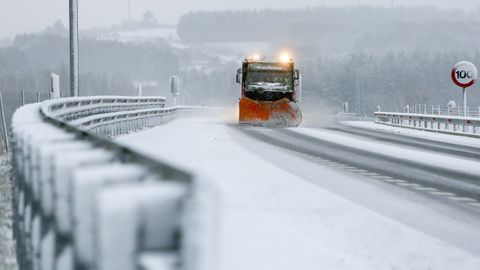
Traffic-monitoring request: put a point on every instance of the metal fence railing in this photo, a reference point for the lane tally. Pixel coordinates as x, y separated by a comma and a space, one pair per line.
441, 110
457, 125
82, 201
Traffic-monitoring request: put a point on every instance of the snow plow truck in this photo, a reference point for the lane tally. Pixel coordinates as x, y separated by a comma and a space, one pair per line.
270, 92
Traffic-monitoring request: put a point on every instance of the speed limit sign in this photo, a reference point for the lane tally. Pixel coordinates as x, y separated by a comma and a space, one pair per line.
464, 74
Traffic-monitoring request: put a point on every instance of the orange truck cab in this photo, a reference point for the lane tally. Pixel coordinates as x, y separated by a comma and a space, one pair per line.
270, 92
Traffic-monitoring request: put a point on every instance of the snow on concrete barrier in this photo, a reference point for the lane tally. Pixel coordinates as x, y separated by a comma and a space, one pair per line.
147, 213
84, 202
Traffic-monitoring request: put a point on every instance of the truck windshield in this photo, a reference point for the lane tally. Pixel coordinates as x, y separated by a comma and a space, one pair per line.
280, 81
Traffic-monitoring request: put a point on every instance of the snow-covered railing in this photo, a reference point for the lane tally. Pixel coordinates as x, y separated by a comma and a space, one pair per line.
117, 123
457, 125
73, 108
473, 112
85, 202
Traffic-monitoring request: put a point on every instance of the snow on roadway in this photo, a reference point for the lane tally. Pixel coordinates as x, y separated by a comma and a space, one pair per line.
446, 138
421, 157
274, 219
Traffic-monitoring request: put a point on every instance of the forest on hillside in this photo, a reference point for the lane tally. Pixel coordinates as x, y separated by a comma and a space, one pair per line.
107, 68
339, 30
391, 80
387, 57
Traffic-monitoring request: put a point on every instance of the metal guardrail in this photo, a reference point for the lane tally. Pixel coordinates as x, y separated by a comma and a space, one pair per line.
75, 108
456, 125
82, 201
117, 123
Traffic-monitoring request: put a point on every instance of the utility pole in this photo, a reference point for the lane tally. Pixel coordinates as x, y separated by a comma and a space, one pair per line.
74, 52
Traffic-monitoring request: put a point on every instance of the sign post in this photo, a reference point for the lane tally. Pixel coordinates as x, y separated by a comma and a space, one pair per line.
464, 75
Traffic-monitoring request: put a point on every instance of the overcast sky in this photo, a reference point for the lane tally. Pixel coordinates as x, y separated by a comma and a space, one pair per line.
20, 16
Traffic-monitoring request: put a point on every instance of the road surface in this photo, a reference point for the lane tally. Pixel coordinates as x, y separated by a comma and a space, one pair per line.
323, 198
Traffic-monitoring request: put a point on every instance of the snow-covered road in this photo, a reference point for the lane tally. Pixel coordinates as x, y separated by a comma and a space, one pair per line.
288, 209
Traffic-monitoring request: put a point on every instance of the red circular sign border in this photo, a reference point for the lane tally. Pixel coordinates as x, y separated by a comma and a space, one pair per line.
459, 83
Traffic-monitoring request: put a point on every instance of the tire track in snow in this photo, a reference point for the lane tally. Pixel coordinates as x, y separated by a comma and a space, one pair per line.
375, 166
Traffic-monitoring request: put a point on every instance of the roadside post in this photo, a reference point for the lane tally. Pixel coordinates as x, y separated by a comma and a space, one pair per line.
464, 74
55, 86
174, 88
345, 107
23, 97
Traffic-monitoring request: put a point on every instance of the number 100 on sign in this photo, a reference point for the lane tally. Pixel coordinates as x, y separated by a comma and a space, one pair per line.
464, 74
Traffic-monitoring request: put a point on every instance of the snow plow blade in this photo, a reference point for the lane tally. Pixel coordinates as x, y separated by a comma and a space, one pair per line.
282, 113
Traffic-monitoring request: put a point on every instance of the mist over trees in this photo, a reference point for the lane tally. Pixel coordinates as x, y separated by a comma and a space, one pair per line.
107, 67
392, 80
339, 30
387, 57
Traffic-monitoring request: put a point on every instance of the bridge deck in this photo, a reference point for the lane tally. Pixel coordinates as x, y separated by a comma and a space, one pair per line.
284, 209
